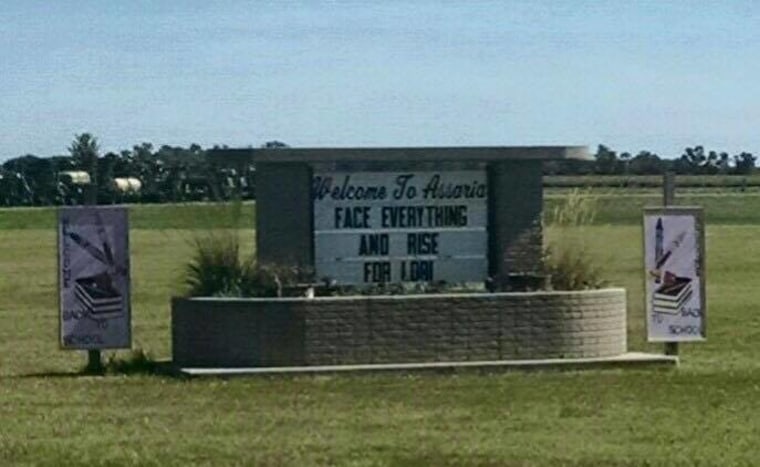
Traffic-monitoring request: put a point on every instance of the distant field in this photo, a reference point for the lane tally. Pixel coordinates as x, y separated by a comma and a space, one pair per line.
615, 206
146, 216
703, 413
623, 206
651, 181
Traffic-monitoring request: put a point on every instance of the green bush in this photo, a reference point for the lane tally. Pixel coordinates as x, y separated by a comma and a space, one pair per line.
569, 260
271, 280
137, 362
218, 269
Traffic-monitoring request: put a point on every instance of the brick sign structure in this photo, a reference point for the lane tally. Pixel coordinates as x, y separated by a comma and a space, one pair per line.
399, 215
380, 215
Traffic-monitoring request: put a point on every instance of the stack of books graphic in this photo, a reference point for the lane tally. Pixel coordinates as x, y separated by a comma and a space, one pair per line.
672, 295
98, 295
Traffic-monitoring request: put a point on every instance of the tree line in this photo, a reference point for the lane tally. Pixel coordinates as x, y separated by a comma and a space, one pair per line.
145, 174
694, 161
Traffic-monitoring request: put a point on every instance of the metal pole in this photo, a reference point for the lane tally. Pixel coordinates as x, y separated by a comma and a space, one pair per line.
94, 359
668, 198
668, 188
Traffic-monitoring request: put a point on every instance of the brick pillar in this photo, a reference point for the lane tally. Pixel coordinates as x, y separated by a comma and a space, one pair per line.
515, 236
284, 214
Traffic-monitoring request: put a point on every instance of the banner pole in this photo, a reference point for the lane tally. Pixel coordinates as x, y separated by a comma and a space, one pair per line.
668, 198
94, 359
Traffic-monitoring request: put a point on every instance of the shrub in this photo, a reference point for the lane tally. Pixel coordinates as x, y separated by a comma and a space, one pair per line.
578, 209
569, 260
271, 280
216, 268
137, 362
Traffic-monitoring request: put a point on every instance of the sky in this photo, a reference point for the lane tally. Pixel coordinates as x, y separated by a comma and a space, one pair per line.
632, 75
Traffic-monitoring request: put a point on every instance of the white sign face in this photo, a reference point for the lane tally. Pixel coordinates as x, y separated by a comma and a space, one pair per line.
674, 269
93, 278
390, 227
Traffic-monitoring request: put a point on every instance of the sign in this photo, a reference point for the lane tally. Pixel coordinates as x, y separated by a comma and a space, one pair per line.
93, 278
674, 274
389, 227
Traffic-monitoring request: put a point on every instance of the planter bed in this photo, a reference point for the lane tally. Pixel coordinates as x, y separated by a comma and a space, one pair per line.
276, 332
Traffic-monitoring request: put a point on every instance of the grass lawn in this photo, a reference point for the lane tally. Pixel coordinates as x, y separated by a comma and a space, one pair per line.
618, 207
703, 413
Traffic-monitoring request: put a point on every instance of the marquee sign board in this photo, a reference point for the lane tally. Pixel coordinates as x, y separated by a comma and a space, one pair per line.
93, 278
389, 227
674, 274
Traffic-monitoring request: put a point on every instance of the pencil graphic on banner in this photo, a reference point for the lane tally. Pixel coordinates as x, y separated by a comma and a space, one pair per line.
89, 247
671, 248
659, 235
103, 237
658, 239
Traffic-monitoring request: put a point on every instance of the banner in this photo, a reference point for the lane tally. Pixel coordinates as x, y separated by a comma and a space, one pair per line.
674, 274
93, 278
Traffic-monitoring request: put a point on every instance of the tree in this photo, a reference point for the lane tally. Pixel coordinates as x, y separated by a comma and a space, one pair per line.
148, 170
646, 163
35, 179
274, 145
744, 163
625, 162
692, 161
606, 161
722, 163
84, 151
107, 167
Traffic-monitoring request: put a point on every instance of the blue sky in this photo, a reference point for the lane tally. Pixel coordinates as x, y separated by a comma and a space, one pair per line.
642, 75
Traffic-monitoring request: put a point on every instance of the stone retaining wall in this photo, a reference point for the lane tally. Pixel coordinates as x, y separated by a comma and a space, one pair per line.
218, 332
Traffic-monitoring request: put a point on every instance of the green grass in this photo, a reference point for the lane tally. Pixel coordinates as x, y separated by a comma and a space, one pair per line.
619, 206
146, 216
639, 181
702, 413
616, 206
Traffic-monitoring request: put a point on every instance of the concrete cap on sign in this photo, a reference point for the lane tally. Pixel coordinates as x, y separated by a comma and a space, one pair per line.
415, 154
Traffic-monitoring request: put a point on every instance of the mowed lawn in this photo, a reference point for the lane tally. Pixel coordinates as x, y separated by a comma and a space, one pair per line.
705, 412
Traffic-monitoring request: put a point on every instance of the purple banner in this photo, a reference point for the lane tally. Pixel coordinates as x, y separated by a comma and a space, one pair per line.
93, 278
